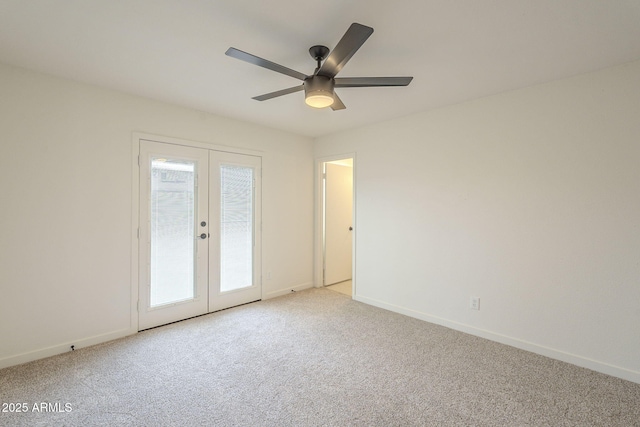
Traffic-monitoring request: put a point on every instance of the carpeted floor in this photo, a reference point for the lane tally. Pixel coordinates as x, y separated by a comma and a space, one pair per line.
313, 358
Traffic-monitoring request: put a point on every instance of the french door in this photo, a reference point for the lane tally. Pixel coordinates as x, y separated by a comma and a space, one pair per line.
199, 243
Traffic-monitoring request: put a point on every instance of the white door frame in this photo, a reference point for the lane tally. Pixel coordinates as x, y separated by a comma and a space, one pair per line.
319, 206
135, 206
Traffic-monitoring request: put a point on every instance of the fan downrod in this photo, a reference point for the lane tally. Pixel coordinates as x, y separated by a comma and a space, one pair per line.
318, 53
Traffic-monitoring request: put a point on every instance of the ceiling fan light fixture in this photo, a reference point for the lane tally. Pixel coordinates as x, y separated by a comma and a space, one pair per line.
318, 92
319, 100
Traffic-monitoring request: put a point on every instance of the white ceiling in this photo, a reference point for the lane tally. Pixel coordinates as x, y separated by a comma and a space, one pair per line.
457, 50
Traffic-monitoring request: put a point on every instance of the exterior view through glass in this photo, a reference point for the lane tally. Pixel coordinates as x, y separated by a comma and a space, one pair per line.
173, 207
236, 227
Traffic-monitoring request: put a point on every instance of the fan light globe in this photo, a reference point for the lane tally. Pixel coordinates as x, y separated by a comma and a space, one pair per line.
319, 99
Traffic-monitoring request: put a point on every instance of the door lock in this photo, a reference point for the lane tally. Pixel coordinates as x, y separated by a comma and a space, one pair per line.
203, 236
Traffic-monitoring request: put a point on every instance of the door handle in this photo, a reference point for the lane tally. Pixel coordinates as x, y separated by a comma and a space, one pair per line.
350, 228
202, 236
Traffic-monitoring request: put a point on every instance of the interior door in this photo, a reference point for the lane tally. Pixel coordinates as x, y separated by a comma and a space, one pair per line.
338, 223
199, 244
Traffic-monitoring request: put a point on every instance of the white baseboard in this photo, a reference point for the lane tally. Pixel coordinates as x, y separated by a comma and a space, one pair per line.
63, 348
288, 290
594, 365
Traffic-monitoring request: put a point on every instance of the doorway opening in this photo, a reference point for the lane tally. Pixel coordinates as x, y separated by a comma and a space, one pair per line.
337, 224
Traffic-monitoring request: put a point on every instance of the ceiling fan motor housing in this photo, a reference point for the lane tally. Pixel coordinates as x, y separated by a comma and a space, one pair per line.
319, 88
319, 84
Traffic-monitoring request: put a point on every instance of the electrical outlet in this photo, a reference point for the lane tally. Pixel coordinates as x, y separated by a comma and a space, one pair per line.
474, 303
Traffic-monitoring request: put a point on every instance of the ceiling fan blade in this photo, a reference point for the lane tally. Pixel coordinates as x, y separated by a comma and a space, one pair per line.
278, 93
372, 81
337, 103
252, 59
349, 44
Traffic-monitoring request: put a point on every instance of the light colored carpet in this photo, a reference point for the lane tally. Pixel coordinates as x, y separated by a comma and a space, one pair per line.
291, 361
342, 287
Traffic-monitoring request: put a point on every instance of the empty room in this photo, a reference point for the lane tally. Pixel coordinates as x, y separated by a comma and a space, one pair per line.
297, 213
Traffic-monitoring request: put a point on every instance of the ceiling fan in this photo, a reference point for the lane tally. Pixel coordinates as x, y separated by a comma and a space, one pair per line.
318, 87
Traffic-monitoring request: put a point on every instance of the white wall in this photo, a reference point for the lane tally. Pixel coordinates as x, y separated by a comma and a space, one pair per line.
65, 217
529, 200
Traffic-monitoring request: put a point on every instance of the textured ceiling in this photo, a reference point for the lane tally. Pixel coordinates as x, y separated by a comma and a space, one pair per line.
456, 50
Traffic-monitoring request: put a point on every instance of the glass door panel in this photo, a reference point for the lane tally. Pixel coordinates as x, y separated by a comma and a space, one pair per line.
236, 227
173, 206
